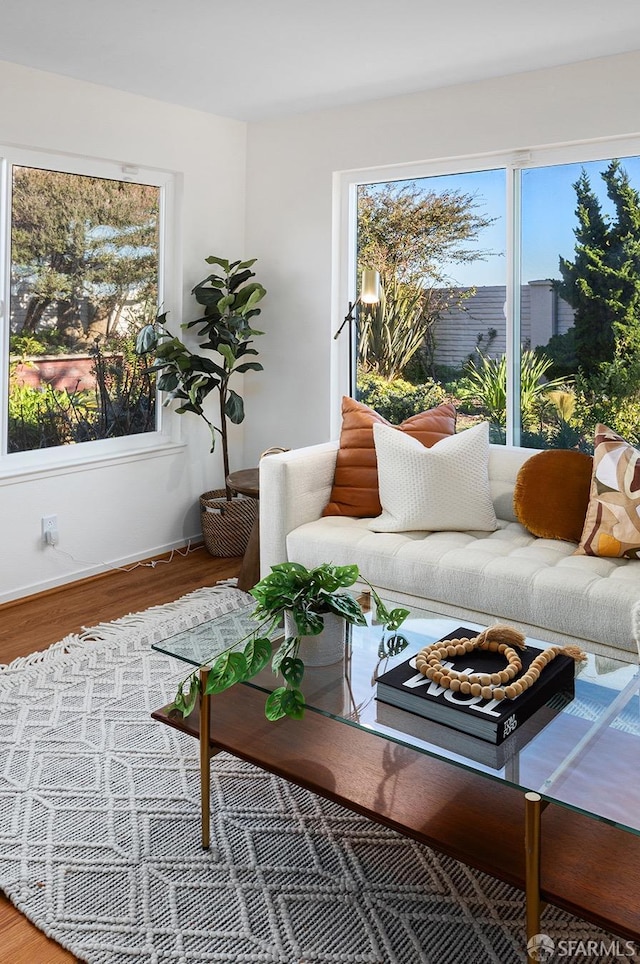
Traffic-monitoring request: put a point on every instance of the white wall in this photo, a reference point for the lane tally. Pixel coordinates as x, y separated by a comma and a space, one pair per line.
134, 508
289, 204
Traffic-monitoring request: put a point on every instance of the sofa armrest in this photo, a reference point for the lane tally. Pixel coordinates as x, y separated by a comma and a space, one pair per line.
294, 488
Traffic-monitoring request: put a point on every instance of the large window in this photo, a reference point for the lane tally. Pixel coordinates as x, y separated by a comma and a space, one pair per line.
80, 274
512, 290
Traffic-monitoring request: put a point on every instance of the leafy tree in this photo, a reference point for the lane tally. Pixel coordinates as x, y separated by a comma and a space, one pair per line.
410, 236
602, 282
83, 248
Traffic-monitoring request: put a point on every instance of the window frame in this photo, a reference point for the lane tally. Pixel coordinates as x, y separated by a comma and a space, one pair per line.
344, 268
167, 433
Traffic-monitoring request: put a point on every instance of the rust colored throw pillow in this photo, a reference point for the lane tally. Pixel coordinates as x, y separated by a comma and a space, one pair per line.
355, 483
551, 494
612, 525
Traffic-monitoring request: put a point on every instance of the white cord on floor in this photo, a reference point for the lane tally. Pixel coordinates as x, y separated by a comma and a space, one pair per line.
136, 565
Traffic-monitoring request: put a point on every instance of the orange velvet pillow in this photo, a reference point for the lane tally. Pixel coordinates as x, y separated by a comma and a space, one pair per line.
355, 483
551, 494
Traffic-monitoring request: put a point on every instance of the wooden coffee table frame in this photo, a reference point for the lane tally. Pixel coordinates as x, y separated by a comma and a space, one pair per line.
585, 866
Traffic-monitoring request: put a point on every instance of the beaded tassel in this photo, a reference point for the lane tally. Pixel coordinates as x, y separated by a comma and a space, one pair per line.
490, 686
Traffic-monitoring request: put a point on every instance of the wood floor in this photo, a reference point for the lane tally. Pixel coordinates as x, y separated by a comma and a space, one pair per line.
34, 623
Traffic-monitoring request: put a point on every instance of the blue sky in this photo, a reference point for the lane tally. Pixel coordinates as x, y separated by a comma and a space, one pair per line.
548, 216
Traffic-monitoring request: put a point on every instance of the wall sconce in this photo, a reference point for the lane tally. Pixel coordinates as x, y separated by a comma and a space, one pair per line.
369, 295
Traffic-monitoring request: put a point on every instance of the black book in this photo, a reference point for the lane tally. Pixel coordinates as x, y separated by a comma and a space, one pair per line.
440, 737
492, 720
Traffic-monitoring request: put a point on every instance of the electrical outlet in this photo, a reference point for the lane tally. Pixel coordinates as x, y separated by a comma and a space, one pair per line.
50, 529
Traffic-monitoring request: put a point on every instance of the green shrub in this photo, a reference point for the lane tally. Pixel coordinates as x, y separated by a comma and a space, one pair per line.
40, 418
398, 399
22, 345
610, 397
122, 403
486, 386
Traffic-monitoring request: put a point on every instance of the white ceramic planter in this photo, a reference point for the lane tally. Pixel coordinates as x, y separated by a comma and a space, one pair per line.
322, 650
326, 687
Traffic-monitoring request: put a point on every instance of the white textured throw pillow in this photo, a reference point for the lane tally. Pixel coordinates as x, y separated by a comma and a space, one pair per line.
439, 488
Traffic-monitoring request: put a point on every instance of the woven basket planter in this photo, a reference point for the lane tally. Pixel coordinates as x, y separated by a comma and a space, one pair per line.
226, 526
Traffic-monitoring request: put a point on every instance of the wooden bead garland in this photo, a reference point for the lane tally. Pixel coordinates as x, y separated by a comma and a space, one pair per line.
490, 686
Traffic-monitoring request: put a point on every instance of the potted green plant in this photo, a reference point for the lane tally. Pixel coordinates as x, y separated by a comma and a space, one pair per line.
308, 596
230, 299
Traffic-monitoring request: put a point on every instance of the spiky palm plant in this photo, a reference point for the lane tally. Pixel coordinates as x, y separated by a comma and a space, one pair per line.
391, 333
487, 384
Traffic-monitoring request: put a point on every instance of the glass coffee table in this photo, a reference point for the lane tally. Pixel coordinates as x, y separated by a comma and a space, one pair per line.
461, 795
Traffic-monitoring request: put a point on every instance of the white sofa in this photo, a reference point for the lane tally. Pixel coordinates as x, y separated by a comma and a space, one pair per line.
506, 575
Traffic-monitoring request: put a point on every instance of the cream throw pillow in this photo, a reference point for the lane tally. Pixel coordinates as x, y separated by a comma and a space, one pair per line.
445, 487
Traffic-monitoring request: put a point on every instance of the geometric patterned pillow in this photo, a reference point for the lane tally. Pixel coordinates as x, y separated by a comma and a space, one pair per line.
612, 523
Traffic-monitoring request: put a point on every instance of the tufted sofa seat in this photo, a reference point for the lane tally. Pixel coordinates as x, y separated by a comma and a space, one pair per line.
535, 584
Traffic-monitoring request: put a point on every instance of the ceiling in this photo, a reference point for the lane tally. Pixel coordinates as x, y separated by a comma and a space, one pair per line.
259, 59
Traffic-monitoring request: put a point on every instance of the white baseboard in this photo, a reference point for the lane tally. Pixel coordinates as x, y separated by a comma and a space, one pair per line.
94, 570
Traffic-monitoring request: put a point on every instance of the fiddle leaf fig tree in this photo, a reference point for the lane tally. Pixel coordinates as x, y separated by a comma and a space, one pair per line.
230, 300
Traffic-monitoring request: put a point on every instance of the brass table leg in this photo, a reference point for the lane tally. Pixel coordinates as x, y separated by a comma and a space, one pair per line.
205, 758
532, 835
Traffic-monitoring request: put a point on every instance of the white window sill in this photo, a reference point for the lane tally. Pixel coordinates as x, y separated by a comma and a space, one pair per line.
66, 459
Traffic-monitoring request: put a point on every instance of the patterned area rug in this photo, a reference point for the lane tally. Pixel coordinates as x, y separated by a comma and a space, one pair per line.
99, 833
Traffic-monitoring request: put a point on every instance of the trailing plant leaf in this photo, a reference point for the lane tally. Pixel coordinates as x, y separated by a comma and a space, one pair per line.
229, 668
257, 653
284, 702
308, 622
288, 567
293, 703
292, 669
273, 709
306, 596
395, 618
343, 605
183, 701
346, 575
282, 652
392, 618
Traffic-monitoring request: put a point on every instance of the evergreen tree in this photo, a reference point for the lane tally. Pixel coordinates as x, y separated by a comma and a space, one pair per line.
602, 283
